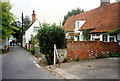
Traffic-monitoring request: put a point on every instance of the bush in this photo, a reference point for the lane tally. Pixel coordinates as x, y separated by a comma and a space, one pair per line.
65, 60
32, 50
103, 56
77, 59
49, 35
114, 54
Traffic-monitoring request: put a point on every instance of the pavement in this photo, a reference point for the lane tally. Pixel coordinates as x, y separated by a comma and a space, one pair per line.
19, 64
106, 68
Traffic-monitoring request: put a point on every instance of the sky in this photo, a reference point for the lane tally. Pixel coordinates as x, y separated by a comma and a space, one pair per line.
51, 11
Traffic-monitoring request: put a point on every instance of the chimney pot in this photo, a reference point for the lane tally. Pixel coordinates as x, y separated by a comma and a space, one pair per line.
33, 16
105, 2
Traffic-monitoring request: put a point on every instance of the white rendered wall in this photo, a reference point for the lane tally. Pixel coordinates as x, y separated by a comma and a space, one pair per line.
30, 31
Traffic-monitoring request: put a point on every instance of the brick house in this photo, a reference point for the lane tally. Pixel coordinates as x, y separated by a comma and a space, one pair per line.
99, 21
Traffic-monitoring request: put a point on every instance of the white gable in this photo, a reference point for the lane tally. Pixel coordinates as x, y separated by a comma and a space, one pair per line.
79, 24
31, 31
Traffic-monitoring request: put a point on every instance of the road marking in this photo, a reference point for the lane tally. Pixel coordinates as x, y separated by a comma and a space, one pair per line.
37, 65
34, 62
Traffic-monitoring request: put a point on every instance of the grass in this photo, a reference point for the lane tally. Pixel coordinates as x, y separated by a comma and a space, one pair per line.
3, 52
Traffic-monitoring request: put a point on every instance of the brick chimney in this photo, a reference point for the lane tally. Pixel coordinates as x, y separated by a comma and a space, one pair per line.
105, 2
33, 16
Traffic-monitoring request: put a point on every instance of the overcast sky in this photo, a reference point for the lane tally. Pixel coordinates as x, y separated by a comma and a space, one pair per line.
51, 10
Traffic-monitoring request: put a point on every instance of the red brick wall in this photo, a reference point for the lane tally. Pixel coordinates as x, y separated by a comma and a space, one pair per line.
89, 49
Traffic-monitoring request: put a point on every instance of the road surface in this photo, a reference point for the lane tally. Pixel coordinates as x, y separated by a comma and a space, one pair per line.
19, 64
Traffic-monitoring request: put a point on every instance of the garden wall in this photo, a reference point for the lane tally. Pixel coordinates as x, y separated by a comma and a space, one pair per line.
89, 49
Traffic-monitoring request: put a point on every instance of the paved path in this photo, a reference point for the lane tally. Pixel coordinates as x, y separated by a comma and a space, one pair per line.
19, 64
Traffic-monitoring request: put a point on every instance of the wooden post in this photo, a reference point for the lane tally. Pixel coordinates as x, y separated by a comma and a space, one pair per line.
54, 55
22, 32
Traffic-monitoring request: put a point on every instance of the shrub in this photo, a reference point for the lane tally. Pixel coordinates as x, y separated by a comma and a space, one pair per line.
33, 50
114, 54
102, 55
65, 60
77, 59
49, 35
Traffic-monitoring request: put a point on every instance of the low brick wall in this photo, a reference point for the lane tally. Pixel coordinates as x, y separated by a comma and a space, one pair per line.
89, 49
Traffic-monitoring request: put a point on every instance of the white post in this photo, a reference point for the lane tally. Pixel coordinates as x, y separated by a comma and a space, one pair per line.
54, 55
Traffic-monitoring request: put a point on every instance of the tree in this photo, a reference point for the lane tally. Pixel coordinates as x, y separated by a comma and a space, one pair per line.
49, 35
7, 19
26, 22
70, 13
17, 33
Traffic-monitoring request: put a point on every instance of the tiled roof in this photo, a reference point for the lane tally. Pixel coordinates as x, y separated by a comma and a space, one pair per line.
70, 24
102, 19
74, 34
30, 25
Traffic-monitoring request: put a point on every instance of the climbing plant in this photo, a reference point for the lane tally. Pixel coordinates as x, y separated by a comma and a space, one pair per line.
114, 31
86, 35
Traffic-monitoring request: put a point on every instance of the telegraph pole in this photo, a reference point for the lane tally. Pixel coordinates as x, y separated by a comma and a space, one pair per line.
22, 32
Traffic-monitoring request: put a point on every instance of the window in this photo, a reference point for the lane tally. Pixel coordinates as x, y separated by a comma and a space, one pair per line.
78, 38
78, 25
72, 38
105, 37
36, 29
111, 39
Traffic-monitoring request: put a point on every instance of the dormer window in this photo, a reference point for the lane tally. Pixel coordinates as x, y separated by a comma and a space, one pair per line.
79, 24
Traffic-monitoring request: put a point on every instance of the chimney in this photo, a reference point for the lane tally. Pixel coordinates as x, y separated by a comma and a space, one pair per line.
33, 16
105, 2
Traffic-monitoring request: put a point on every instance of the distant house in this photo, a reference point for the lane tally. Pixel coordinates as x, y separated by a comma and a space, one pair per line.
99, 21
31, 30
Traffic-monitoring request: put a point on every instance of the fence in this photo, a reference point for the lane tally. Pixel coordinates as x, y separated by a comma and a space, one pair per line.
90, 49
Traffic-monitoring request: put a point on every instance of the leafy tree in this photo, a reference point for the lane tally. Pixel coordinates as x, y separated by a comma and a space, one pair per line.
70, 13
17, 33
7, 19
26, 22
49, 35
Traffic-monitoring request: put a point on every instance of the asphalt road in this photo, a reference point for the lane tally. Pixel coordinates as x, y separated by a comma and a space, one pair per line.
19, 64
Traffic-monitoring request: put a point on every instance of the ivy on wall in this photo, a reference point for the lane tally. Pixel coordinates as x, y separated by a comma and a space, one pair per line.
86, 35
114, 31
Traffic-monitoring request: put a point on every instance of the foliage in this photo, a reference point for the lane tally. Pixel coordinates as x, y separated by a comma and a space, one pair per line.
33, 40
114, 31
65, 60
77, 59
33, 50
103, 55
17, 33
49, 35
7, 19
70, 13
86, 35
26, 22
114, 54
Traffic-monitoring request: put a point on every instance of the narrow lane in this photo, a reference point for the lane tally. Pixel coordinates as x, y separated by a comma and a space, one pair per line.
18, 64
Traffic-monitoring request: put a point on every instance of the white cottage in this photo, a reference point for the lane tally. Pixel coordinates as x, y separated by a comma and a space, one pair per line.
31, 30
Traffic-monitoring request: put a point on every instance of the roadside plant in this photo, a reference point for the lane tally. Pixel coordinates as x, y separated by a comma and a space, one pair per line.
65, 60
33, 50
77, 59
103, 55
114, 54
49, 35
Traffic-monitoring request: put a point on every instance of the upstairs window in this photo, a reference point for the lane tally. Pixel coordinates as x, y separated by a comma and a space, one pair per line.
36, 29
79, 24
